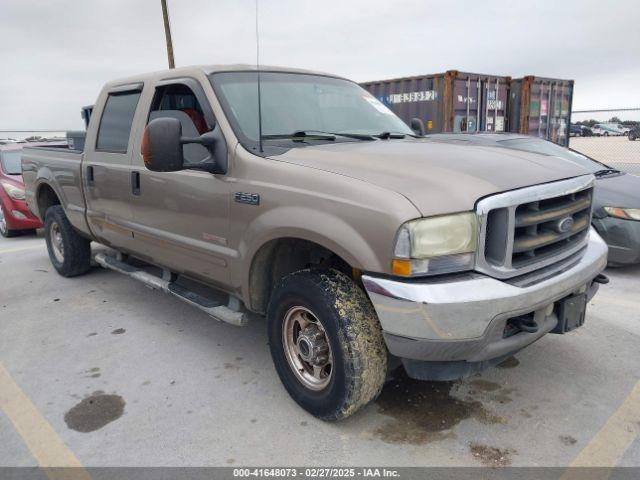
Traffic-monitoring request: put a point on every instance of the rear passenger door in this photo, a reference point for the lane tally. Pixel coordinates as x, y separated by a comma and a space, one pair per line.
107, 166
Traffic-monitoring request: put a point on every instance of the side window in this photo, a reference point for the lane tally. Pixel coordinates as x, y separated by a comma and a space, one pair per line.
116, 121
178, 101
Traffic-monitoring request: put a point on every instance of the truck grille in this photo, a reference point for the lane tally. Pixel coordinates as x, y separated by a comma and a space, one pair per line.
532, 228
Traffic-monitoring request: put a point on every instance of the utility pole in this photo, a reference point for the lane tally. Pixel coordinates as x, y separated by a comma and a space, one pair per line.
167, 33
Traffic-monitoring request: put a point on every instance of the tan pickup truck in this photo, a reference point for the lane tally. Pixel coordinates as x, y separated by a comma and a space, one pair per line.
300, 197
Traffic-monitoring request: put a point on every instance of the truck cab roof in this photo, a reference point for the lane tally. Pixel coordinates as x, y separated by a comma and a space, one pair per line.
209, 69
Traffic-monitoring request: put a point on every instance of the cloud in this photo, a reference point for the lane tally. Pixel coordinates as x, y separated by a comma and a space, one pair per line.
57, 55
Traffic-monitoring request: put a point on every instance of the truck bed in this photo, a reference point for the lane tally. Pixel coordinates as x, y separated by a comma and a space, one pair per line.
60, 167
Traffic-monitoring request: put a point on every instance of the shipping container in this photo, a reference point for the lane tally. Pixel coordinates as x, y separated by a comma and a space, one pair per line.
447, 102
541, 107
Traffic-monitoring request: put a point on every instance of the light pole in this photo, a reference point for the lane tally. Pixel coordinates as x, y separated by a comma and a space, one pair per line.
167, 33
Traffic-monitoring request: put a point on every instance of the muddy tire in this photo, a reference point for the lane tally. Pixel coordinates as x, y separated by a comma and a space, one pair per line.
340, 323
69, 252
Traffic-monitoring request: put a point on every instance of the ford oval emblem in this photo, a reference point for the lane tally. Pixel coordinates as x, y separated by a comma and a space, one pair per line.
565, 224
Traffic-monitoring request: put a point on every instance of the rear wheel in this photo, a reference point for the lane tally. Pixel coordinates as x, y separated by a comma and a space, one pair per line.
632, 136
4, 227
69, 252
326, 343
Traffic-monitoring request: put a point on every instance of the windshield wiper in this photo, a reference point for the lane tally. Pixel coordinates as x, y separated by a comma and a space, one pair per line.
301, 135
318, 135
357, 136
388, 135
606, 171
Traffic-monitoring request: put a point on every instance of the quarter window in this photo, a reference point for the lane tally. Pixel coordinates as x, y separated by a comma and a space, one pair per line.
116, 121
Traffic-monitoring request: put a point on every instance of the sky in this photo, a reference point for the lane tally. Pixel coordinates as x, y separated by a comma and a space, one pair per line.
55, 55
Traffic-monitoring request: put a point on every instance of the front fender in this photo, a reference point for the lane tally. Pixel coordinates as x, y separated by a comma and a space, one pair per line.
320, 227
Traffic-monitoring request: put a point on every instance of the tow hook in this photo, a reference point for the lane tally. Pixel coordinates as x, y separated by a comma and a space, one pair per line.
602, 279
526, 324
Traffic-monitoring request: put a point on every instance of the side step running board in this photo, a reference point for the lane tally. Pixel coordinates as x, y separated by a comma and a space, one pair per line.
213, 308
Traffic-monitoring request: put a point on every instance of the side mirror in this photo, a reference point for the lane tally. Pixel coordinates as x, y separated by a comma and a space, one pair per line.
417, 126
162, 146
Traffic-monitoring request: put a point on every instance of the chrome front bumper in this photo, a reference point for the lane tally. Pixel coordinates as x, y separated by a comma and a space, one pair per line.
462, 317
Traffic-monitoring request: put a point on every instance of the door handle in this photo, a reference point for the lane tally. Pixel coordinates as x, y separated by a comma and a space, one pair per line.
90, 177
135, 183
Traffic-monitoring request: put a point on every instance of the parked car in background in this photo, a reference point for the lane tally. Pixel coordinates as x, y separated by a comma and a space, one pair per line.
616, 204
15, 216
634, 133
580, 131
624, 129
586, 131
602, 129
575, 130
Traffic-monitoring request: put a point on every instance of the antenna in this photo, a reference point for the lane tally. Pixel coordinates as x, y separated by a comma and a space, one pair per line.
259, 89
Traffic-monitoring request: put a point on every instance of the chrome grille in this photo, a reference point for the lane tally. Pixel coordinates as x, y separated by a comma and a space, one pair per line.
547, 227
524, 230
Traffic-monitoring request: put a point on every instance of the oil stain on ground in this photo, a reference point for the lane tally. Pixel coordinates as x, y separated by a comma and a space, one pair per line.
568, 440
491, 456
485, 385
423, 412
511, 362
92, 373
118, 331
492, 390
94, 412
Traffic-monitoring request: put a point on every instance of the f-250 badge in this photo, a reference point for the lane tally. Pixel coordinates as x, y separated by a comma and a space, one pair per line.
249, 198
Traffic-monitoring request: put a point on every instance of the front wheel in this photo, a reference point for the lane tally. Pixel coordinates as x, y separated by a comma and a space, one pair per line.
4, 227
632, 136
326, 343
69, 252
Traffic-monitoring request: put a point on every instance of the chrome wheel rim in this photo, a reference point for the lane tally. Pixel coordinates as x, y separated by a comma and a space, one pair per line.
3, 221
307, 348
55, 235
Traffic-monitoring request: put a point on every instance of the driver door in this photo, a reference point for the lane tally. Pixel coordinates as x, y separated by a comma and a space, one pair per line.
182, 218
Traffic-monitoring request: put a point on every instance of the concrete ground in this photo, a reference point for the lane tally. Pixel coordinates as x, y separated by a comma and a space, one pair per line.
101, 371
618, 152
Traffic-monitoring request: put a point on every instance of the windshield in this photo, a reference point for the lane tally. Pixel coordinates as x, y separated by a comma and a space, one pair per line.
547, 148
299, 102
11, 162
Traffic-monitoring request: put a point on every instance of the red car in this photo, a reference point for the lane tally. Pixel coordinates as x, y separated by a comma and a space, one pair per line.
15, 217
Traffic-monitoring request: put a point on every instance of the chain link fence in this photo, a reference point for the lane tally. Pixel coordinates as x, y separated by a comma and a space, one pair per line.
608, 136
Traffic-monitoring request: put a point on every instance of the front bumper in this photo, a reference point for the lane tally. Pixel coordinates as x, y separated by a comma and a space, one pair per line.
30, 221
623, 238
462, 318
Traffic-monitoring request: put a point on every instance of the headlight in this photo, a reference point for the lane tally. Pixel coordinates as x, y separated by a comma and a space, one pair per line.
444, 244
626, 213
14, 192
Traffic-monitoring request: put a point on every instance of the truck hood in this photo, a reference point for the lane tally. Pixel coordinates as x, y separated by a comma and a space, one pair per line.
436, 177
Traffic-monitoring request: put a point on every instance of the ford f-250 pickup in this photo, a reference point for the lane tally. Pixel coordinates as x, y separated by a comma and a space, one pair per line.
302, 198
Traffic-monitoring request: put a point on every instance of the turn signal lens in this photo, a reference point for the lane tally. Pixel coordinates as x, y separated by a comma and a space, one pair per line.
625, 213
402, 267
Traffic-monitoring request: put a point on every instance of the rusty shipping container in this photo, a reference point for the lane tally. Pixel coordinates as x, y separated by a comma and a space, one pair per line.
447, 102
541, 107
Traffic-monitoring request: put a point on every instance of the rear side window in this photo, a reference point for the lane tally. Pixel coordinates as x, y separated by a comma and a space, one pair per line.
116, 121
